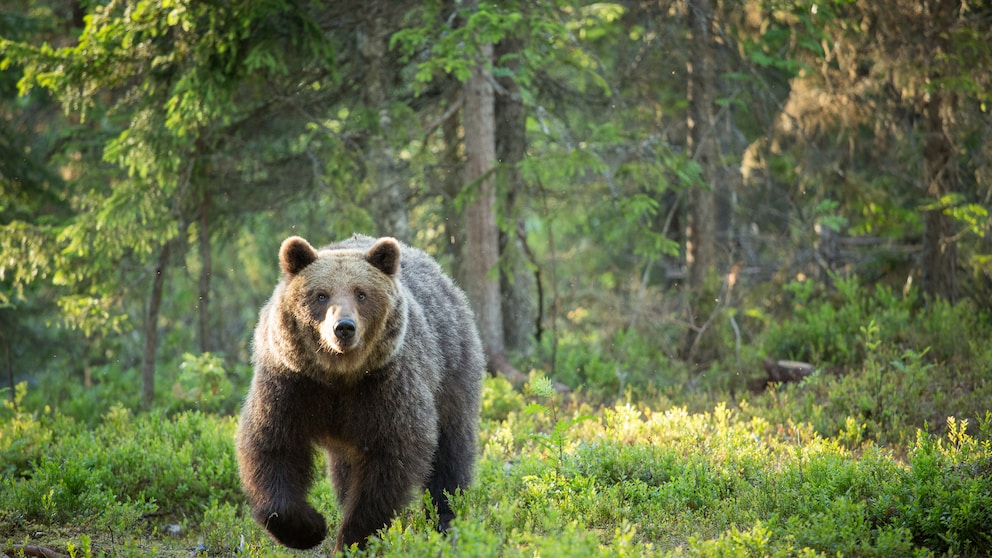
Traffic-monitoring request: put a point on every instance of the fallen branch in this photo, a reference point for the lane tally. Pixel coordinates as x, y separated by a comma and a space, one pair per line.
32, 550
787, 370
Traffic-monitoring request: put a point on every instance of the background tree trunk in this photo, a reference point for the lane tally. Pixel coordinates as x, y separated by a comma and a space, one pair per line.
388, 197
940, 176
452, 181
939, 259
206, 269
517, 280
701, 215
151, 327
9, 363
481, 254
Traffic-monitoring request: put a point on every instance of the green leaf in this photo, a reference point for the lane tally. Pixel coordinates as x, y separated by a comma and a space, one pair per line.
535, 409
541, 386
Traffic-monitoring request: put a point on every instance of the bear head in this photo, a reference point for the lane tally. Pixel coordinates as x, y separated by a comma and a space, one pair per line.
342, 310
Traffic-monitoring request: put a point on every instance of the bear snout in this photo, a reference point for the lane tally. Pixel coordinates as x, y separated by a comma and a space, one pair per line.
345, 329
340, 334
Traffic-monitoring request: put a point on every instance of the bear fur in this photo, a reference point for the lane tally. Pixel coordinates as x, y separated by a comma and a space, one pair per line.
367, 351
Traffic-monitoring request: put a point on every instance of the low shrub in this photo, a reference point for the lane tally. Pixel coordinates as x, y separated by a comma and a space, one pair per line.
554, 478
126, 468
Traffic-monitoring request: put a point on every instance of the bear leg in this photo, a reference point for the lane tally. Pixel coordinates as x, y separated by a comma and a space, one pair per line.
451, 471
299, 527
378, 488
277, 491
275, 462
277, 495
340, 471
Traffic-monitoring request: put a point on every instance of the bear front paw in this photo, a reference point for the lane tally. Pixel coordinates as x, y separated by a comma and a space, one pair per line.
300, 528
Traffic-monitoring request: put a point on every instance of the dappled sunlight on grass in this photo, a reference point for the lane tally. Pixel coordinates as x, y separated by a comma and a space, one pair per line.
623, 480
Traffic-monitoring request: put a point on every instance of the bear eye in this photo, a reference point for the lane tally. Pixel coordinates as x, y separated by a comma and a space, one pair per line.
360, 295
321, 297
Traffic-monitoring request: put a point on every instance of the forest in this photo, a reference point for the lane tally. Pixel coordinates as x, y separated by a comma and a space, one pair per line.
730, 261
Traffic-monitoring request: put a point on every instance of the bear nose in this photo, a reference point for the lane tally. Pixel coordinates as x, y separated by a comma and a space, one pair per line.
345, 329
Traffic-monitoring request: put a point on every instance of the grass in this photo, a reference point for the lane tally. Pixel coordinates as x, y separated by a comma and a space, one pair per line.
552, 480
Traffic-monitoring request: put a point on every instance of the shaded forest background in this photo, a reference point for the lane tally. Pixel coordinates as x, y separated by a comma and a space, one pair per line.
640, 198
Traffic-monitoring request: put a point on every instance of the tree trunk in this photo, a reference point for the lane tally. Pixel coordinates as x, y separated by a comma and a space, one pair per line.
9, 364
939, 260
388, 193
517, 280
452, 168
151, 327
481, 234
206, 269
940, 176
481, 253
701, 215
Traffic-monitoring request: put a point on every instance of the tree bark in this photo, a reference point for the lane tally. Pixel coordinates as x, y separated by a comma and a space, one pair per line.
481, 253
206, 269
940, 177
151, 327
9, 364
701, 214
385, 174
452, 181
517, 280
939, 260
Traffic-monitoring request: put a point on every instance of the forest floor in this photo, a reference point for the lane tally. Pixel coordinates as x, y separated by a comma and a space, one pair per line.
553, 479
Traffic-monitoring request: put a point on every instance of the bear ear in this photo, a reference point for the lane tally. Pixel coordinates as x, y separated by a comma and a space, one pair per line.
295, 254
385, 255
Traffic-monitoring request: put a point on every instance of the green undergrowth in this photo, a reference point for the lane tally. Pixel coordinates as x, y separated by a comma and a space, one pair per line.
891, 392
553, 479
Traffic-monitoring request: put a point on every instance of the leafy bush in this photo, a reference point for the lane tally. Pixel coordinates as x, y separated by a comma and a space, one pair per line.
627, 362
204, 383
885, 399
125, 468
555, 478
499, 399
108, 384
946, 498
824, 327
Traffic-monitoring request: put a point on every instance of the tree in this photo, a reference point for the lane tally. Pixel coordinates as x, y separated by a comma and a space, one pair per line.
32, 206
521, 312
897, 84
464, 51
163, 89
700, 143
388, 195
195, 136
481, 255
939, 260
930, 75
939, 166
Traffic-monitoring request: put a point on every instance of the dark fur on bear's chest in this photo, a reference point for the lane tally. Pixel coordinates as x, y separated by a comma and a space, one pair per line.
393, 403
370, 414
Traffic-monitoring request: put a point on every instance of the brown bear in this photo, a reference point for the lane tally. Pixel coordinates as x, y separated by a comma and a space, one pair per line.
368, 351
